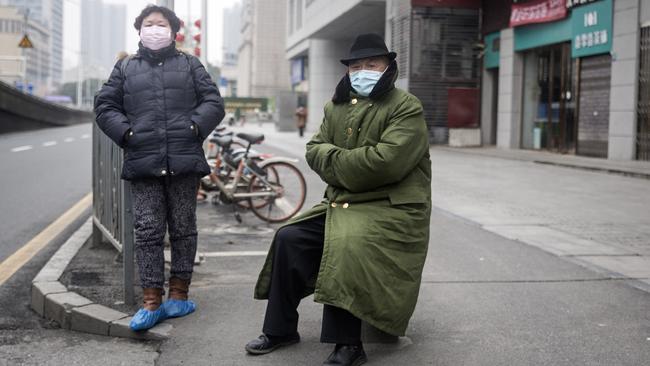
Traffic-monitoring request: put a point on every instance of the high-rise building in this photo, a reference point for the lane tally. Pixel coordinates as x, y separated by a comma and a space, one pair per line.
231, 34
231, 43
49, 15
56, 42
103, 36
263, 70
12, 29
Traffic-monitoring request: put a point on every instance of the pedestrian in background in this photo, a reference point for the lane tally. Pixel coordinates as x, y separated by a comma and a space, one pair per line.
372, 150
159, 105
301, 120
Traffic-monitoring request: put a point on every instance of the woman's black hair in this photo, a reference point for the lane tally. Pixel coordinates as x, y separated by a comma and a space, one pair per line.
174, 21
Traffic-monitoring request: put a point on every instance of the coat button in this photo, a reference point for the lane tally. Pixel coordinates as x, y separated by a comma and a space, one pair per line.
333, 204
160, 64
354, 101
346, 205
349, 131
163, 172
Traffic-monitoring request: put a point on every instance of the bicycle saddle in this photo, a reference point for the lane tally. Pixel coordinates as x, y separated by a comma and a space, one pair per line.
222, 140
253, 138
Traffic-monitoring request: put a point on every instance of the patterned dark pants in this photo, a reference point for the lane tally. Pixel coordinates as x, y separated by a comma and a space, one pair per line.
156, 203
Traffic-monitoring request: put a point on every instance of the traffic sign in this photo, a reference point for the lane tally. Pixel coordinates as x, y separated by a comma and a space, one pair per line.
25, 43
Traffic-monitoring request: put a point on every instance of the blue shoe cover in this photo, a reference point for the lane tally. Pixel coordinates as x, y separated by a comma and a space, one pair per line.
146, 319
178, 308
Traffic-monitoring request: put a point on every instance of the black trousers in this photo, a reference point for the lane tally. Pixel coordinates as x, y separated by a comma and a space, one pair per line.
298, 251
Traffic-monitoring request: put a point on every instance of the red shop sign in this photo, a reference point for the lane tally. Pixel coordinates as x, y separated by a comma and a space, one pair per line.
540, 11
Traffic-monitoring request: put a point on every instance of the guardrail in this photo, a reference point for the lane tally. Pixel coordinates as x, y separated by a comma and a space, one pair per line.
17, 107
112, 211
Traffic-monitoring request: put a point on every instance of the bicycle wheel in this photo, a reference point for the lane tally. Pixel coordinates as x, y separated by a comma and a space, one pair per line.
271, 175
287, 190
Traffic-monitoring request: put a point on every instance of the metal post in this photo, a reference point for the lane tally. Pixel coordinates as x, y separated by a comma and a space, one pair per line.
79, 81
24, 51
204, 33
166, 3
188, 28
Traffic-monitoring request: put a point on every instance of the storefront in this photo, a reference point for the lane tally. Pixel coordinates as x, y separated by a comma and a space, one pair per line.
566, 75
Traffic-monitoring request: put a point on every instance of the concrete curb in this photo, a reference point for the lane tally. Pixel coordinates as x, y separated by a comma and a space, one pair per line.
52, 300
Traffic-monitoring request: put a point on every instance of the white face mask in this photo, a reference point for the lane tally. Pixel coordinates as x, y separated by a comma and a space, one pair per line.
363, 81
155, 37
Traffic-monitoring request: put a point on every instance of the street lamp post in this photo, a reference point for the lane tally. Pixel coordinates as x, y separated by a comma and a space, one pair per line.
166, 3
204, 33
24, 51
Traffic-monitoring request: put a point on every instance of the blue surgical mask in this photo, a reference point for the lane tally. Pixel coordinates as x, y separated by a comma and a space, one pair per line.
363, 81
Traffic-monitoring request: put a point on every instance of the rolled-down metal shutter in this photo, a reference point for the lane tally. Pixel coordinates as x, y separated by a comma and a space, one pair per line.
443, 56
593, 120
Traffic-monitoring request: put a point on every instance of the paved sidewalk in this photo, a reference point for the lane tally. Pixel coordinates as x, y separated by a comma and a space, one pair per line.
598, 219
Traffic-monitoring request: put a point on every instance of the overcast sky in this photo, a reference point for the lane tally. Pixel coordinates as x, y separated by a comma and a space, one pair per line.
72, 31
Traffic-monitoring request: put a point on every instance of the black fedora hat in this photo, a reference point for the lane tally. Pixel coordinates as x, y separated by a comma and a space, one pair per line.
368, 45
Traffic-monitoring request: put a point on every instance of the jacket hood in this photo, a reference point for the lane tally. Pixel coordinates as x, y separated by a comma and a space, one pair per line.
385, 84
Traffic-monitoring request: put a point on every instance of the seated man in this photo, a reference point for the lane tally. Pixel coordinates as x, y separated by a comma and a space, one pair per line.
362, 250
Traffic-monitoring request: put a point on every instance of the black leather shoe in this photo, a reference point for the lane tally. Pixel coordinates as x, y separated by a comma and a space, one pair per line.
265, 344
347, 355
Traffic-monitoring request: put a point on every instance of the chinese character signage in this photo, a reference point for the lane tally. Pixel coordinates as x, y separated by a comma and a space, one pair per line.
540, 11
571, 3
592, 29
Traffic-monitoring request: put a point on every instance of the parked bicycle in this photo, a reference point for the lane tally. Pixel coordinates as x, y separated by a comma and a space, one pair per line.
273, 188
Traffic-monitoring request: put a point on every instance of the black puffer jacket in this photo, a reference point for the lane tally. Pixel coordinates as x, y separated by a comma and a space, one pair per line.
159, 111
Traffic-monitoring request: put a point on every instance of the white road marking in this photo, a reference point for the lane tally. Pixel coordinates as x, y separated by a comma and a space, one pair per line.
22, 148
249, 253
68, 139
49, 143
85, 136
12, 264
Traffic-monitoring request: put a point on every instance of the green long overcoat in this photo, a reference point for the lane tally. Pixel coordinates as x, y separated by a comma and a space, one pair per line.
374, 156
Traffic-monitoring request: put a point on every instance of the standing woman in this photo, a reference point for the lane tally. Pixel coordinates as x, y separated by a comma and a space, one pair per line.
159, 105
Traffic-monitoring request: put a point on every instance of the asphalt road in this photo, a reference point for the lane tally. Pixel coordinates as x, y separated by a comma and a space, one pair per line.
44, 173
